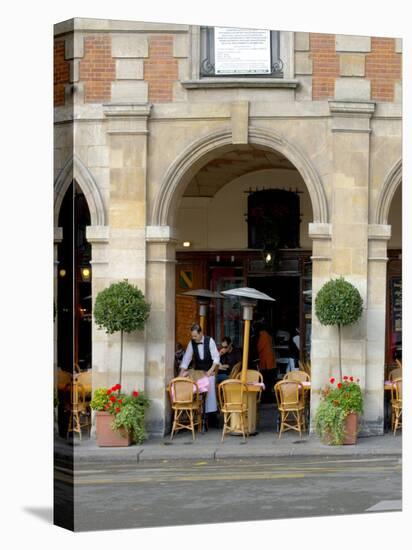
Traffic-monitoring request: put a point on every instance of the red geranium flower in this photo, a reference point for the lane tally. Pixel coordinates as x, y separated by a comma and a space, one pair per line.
107, 406
135, 393
109, 392
332, 380
117, 409
120, 401
339, 385
112, 398
345, 377
118, 387
351, 378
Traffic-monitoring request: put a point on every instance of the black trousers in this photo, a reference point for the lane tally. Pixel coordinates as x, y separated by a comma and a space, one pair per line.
269, 379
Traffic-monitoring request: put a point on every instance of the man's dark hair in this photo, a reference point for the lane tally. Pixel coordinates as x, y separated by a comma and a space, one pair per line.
196, 327
227, 339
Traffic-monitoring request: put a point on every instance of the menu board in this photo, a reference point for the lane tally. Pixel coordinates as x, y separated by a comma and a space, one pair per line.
396, 302
242, 51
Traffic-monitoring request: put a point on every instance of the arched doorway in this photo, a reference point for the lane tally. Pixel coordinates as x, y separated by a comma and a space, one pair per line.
162, 239
73, 303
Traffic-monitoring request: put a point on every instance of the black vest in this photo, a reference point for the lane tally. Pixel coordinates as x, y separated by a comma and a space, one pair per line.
207, 361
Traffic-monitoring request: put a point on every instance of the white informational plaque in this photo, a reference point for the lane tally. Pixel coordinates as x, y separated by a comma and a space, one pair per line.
242, 51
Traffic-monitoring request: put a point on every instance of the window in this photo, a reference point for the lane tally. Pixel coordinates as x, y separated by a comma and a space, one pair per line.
226, 52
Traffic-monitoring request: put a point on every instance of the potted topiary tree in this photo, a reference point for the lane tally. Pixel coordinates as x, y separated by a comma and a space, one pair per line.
120, 308
339, 303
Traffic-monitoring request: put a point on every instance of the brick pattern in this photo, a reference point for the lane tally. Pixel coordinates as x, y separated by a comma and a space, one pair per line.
325, 62
161, 68
383, 68
61, 69
97, 68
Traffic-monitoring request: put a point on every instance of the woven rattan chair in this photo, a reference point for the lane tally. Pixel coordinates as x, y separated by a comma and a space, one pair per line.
253, 376
291, 405
79, 409
398, 363
186, 405
396, 404
395, 373
297, 375
233, 400
235, 371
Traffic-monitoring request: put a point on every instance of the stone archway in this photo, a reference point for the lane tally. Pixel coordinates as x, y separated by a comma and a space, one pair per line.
199, 153
74, 169
161, 242
390, 185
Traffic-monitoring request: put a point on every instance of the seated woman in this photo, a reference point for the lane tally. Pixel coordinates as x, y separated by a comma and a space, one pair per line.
229, 356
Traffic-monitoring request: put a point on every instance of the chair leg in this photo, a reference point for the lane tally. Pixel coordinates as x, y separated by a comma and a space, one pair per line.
192, 424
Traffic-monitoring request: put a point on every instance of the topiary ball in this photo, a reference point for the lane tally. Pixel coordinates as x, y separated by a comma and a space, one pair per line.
338, 302
121, 306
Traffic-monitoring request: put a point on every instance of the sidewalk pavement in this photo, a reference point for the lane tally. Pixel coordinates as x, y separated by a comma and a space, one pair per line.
208, 447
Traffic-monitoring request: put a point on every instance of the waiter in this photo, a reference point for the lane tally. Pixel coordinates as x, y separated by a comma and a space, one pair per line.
203, 351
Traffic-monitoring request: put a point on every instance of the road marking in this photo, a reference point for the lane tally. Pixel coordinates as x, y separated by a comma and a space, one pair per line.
386, 506
232, 477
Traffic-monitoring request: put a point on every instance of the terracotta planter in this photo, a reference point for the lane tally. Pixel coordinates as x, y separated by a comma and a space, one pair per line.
105, 436
351, 429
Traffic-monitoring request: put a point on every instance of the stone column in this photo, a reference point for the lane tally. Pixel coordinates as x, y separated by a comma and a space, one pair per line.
376, 326
321, 234
349, 216
127, 137
161, 243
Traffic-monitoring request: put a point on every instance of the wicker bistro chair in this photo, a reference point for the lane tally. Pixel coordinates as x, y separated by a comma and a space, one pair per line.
186, 405
235, 371
291, 405
233, 400
253, 376
395, 373
398, 363
301, 376
79, 409
396, 404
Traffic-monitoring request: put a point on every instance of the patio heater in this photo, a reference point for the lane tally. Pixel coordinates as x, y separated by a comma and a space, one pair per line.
248, 300
203, 297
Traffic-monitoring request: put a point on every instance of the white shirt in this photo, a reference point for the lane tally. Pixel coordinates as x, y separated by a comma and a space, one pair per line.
188, 356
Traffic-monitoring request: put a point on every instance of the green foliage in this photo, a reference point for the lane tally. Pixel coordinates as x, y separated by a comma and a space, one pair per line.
121, 307
338, 302
336, 404
128, 410
100, 399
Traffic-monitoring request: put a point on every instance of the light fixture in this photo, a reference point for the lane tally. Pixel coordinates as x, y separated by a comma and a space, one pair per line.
268, 257
186, 244
62, 273
85, 273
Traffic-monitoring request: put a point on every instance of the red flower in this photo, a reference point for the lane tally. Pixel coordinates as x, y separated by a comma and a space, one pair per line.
106, 406
118, 387
332, 380
345, 377
120, 401
117, 409
112, 398
113, 388
339, 385
109, 392
135, 393
351, 378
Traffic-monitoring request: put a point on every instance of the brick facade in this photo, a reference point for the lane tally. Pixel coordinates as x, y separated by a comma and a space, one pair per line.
61, 73
383, 68
325, 65
161, 68
97, 68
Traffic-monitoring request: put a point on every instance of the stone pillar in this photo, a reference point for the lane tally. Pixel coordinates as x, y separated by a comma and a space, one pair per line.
127, 138
161, 243
321, 234
349, 216
375, 327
